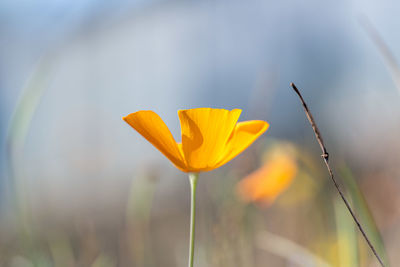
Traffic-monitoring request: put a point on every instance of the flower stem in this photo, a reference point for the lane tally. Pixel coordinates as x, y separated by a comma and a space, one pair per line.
193, 184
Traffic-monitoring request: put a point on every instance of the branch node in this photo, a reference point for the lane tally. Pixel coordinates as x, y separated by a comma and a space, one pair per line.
325, 156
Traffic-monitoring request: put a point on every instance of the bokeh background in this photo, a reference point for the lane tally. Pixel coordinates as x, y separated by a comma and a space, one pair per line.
80, 188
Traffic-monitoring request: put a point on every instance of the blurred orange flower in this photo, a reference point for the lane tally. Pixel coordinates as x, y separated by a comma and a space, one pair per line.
267, 183
210, 137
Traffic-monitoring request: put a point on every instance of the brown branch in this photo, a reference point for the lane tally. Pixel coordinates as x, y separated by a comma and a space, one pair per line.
325, 156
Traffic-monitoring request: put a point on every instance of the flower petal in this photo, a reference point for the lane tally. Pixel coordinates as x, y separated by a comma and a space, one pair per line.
153, 128
205, 132
268, 182
243, 136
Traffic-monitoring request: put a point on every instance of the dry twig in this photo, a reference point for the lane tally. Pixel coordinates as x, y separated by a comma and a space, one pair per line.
325, 156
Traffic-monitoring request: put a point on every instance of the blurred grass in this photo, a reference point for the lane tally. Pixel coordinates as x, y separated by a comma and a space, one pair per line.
16, 189
20, 122
383, 47
294, 253
347, 240
363, 211
138, 213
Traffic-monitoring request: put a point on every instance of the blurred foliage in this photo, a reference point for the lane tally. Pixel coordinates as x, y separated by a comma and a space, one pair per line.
305, 225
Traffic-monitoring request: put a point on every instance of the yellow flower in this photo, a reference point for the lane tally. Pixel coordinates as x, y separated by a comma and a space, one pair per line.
210, 137
267, 183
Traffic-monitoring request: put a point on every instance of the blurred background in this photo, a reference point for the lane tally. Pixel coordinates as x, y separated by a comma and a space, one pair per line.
79, 187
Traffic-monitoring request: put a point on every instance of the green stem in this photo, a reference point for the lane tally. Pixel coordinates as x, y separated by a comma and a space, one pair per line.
193, 184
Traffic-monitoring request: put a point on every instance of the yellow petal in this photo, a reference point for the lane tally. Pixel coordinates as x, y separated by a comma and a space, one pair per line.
153, 128
205, 132
244, 134
268, 182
